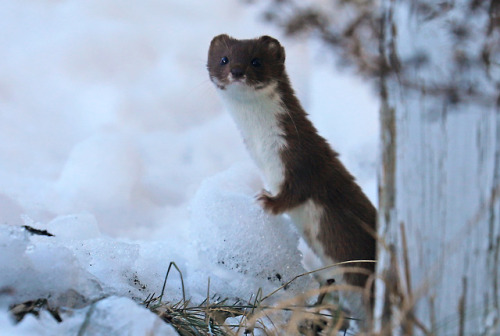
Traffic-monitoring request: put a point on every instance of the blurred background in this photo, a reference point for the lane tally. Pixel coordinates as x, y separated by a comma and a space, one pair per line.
106, 107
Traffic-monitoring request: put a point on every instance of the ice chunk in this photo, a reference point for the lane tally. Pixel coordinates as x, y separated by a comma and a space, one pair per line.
39, 267
69, 272
231, 230
110, 263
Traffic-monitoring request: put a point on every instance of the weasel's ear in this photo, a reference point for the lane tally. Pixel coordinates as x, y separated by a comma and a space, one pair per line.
274, 47
220, 41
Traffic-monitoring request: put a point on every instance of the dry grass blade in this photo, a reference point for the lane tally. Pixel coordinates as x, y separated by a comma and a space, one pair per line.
207, 319
165, 282
292, 316
19, 311
286, 284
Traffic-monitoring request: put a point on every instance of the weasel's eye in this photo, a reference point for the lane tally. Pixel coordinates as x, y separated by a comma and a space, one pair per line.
224, 60
256, 62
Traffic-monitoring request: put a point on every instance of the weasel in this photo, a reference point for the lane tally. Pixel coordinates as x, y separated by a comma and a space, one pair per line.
304, 175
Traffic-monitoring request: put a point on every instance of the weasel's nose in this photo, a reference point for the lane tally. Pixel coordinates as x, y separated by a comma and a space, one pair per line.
237, 72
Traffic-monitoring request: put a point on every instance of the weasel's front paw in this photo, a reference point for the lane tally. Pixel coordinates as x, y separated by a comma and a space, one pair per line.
266, 201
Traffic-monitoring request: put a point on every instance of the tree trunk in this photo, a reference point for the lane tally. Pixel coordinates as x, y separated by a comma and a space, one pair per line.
439, 217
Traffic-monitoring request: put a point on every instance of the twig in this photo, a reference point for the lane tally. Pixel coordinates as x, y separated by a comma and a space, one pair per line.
38, 232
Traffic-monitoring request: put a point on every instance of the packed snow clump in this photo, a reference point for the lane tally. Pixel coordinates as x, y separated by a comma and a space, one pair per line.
232, 231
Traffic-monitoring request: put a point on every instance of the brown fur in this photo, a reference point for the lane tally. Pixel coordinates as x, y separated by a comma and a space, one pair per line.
312, 168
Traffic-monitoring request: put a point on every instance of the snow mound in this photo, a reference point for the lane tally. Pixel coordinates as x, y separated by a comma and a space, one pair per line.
234, 250
231, 230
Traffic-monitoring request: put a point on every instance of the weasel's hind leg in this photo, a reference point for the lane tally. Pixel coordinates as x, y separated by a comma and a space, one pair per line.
326, 315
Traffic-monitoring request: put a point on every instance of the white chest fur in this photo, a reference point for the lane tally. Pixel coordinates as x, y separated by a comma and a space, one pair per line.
256, 115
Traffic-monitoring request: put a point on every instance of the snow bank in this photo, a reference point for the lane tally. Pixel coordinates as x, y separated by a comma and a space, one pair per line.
230, 235
232, 242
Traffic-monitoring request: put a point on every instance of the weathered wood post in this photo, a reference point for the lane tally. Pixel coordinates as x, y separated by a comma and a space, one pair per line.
439, 213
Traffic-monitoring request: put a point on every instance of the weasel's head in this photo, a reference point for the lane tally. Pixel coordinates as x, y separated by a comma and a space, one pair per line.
251, 64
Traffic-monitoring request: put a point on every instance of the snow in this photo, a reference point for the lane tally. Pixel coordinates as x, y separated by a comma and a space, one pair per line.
113, 140
110, 316
231, 230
